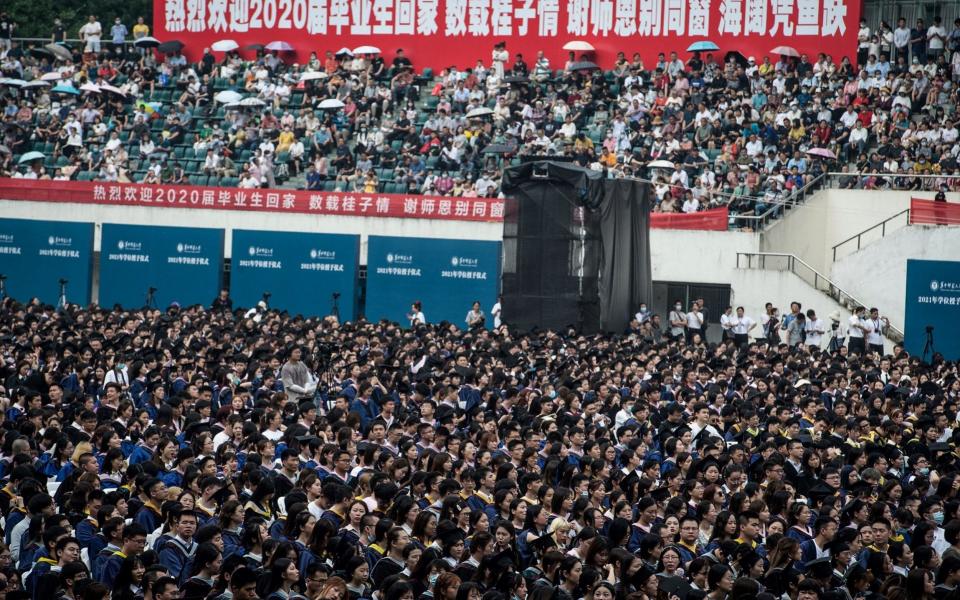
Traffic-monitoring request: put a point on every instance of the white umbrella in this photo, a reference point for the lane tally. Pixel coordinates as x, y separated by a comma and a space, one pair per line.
228, 97
346, 51
224, 46
13, 82
252, 102
366, 50
483, 111
331, 103
51, 76
36, 83
313, 76
279, 47
90, 87
61, 52
661, 164
112, 89
579, 46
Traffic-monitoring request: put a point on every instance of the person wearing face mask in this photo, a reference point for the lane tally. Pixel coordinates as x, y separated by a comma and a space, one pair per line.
643, 314
678, 322
118, 374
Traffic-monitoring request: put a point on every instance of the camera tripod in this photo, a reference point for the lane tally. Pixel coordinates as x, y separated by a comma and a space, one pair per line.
928, 345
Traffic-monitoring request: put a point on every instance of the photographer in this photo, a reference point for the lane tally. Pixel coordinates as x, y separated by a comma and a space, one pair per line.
475, 318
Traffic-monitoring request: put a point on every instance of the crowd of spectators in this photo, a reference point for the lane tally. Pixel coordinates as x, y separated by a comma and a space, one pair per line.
737, 130
215, 453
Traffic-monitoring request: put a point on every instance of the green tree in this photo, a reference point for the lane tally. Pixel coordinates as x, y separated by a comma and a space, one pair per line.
34, 18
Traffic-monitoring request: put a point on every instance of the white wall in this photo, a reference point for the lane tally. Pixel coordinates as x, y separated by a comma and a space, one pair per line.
878, 273
230, 220
830, 217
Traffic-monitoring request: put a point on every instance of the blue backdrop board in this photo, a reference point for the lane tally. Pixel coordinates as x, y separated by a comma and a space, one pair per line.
445, 275
184, 264
36, 255
301, 271
933, 300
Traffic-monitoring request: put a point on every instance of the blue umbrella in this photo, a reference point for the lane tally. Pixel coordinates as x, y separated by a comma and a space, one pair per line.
65, 88
703, 46
31, 156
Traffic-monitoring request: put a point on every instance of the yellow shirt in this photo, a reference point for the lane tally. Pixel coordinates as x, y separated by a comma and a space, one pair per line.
140, 30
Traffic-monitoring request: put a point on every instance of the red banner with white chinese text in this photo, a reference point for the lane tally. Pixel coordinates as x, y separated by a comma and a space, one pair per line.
263, 200
714, 219
931, 212
440, 33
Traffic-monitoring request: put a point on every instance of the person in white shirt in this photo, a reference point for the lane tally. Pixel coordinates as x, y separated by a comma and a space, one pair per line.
90, 33
814, 330
643, 315
857, 331
495, 311
416, 315
878, 326
936, 36
901, 40
694, 321
741, 327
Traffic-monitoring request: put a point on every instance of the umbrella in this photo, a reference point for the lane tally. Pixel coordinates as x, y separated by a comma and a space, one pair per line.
516, 79
59, 51
224, 46
479, 112
51, 76
146, 42
344, 51
661, 164
703, 46
579, 46
42, 53
330, 103
822, 152
313, 75
13, 82
252, 102
785, 51
736, 56
582, 66
113, 90
499, 149
279, 47
87, 87
228, 97
253, 47
4, 149
65, 88
31, 156
36, 83
171, 46
366, 50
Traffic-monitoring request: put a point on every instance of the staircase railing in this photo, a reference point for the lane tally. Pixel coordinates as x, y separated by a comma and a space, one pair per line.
882, 225
778, 261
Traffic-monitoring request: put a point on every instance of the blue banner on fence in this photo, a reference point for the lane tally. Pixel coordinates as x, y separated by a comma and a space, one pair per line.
36, 255
932, 308
181, 264
301, 271
447, 276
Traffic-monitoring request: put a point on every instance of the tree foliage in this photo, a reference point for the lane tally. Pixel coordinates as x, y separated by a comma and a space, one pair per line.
34, 18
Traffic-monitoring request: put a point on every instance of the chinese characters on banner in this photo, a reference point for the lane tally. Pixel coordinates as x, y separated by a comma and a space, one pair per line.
263, 200
438, 33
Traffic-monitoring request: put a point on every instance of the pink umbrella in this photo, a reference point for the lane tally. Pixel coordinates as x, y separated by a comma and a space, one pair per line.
786, 51
822, 152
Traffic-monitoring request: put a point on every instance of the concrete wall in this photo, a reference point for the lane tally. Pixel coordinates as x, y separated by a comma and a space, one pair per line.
230, 220
878, 273
830, 217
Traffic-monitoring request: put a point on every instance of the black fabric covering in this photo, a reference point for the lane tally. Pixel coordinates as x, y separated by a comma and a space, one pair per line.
576, 248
